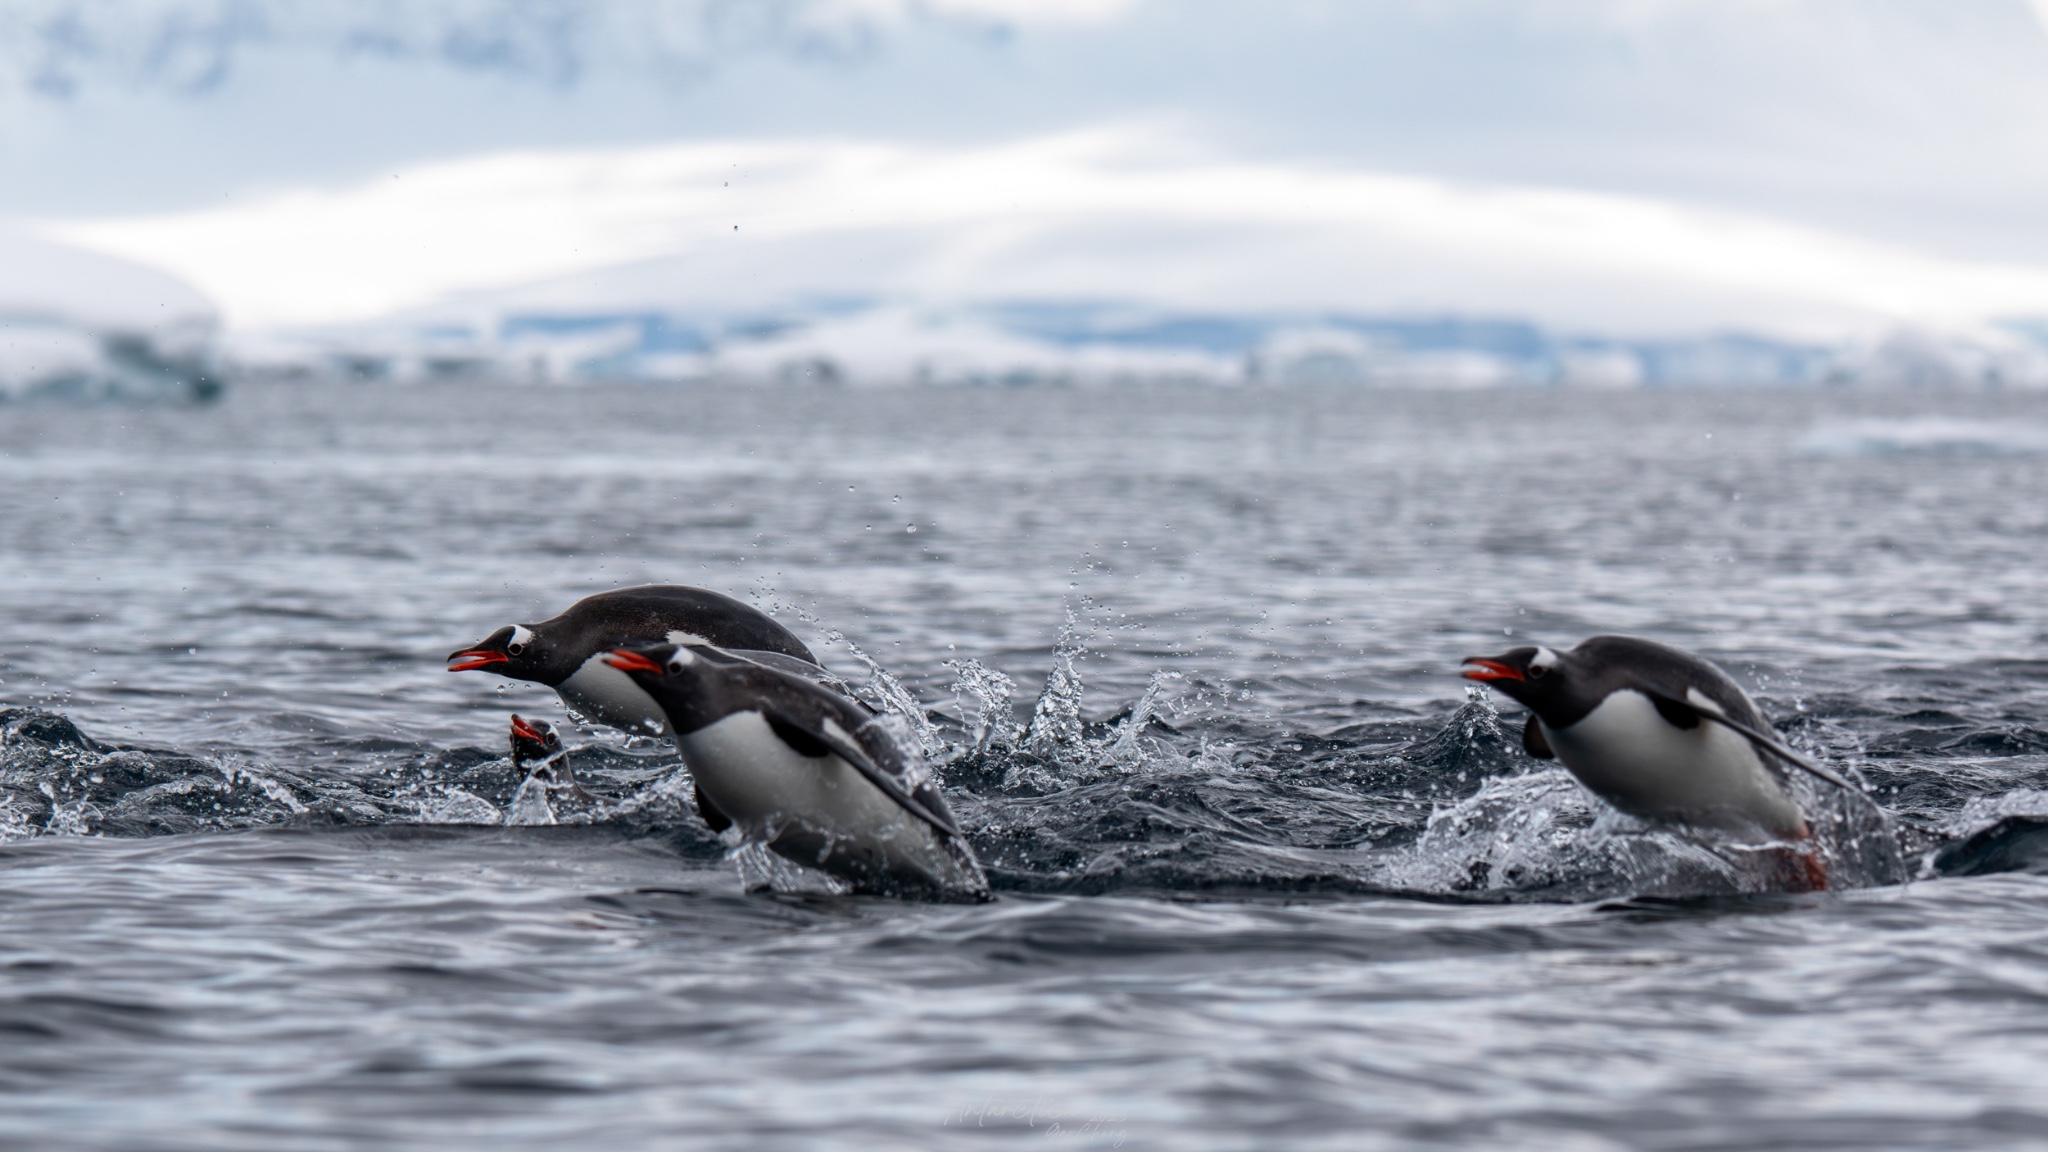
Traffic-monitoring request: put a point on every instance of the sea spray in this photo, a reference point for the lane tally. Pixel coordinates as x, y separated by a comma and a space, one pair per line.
760, 869
1127, 749
529, 807
1055, 732
984, 696
885, 693
458, 806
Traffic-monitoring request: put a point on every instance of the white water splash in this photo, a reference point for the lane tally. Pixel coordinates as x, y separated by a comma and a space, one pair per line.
618, 740
237, 775
760, 869
14, 823
529, 807
456, 806
1129, 749
1513, 830
885, 693
1055, 732
70, 817
1542, 830
984, 696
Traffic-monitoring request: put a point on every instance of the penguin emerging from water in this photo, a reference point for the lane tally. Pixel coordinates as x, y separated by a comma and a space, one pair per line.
1657, 733
536, 748
564, 652
806, 771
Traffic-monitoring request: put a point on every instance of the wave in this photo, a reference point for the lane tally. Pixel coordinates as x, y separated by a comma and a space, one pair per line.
1172, 794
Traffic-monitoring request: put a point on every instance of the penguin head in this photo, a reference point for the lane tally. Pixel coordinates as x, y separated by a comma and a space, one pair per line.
655, 661
1538, 677
533, 740
514, 650
673, 675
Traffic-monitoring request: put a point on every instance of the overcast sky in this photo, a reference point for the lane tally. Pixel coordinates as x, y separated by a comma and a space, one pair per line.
1658, 163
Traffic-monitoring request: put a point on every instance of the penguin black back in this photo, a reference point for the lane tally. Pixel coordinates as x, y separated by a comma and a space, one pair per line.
1562, 687
552, 650
700, 686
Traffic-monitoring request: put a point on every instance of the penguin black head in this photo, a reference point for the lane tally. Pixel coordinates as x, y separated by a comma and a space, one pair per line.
514, 650
1540, 678
655, 660
664, 671
533, 740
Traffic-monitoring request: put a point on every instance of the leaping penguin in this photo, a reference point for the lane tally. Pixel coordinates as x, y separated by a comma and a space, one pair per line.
806, 771
1658, 733
564, 652
536, 747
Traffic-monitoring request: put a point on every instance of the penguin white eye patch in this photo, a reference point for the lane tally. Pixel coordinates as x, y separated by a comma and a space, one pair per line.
521, 637
1544, 660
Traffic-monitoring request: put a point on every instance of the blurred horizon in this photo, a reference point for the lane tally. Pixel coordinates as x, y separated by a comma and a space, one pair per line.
1760, 192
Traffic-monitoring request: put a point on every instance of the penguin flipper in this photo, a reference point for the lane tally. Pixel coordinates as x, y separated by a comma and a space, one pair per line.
1533, 742
1677, 709
829, 741
791, 666
801, 740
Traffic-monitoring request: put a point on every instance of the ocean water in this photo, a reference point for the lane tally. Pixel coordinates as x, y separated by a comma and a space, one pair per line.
1268, 874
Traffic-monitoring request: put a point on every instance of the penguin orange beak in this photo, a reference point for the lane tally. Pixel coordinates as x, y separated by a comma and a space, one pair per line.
626, 661
527, 731
1487, 671
474, 659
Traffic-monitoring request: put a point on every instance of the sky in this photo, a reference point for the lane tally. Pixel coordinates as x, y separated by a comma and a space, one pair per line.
1802, 167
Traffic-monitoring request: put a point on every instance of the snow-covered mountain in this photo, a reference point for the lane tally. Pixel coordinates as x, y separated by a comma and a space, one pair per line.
881, 343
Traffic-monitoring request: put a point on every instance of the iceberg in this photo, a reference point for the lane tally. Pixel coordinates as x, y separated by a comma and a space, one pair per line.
79, 325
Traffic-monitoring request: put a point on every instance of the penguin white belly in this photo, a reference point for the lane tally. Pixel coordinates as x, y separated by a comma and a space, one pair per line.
609, 696
1633, 758
818, 811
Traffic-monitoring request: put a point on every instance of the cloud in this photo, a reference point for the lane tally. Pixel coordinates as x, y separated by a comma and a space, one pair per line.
64, 48
1901, 119
1123, 213
1053, 12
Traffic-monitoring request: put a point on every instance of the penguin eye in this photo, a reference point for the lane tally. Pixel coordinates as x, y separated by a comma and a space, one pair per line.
515, 648
1537, 671
675, 666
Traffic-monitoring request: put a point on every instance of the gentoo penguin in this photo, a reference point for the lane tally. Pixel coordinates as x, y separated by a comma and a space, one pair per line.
806, 771
536, 748
563, 653
1658, 733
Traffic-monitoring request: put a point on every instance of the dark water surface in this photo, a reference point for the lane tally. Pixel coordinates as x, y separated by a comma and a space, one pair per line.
1267, 875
